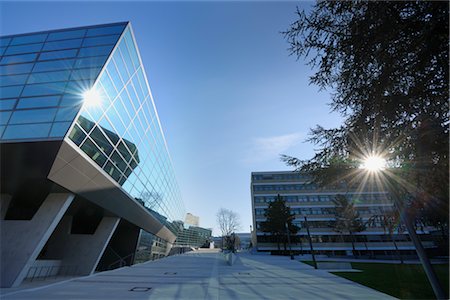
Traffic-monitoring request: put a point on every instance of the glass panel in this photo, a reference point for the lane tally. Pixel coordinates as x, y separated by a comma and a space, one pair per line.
95, 51
101, 140
7, 104
13, 79
47, 101
4, 117
115, 120
67, 113
32, 116
4, 41
59, 45
49, 77
70, 100
85, 74
59, 129
126, 57
91, 62
85, 123
23, 49
18, 58
77, 135
102, 40
15, 69
54, 65
120, 163
121, 65
10, 91
105, 30
108, 86
27, 131
66, 35
113, 171
58, 54
2, 50
114, 75
28, 39
132, 49
90, 149
44, 89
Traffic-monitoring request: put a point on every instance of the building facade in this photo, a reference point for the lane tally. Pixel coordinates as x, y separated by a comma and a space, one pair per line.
86, 176
305, 199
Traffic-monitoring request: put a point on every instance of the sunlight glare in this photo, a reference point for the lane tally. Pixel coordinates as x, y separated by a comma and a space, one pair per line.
92, 98
374, 163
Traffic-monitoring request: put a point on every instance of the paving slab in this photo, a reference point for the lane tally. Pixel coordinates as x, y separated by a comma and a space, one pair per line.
205, 275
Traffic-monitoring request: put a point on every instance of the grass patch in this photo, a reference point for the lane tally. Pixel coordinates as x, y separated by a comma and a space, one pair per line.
401, 281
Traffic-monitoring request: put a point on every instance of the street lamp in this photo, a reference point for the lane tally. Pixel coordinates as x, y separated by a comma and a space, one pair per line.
377, 164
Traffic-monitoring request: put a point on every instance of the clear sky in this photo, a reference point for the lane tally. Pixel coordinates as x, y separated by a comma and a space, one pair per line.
229, 96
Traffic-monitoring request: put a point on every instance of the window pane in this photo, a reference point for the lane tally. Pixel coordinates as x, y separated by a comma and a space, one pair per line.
59, 129
101, 40
18, 58
54, 65
44, 89
101, 140
29, 39
121, 65
77, 135
70, 100
72, 34
91, 62
32, 116
95, 51
90, 149
59, 45
13, 79
115, 157
85, 74
105, 30
10, 91
114, 75
132, 49
23, 49
47, 101
4, 41
58, 54
4, 117
67, 113
112, 171
7, 104
49, 77
15, 69
26, 131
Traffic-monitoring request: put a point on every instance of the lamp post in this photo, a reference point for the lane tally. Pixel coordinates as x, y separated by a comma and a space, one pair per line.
289, 240
310, 243
377, 164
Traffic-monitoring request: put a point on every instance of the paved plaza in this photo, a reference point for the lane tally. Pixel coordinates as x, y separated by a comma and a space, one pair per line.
205, 275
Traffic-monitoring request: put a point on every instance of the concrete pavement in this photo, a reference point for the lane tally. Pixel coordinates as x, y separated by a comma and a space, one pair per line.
206, 275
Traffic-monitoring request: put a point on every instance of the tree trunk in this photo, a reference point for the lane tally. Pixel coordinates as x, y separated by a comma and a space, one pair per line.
396, 248
353, 244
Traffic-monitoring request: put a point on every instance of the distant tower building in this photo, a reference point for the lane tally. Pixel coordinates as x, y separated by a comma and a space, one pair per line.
191, 220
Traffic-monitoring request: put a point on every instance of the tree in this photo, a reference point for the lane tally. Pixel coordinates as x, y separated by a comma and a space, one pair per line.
390, 221
347, 219
228, 222
277, 216
387, 65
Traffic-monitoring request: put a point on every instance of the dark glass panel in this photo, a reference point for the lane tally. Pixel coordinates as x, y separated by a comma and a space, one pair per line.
63, 35
123, 150
90, 62
13, 79
4, 117
77, 135
49, 76
34, 102
18, 58
33, 116
26, 131
95, 51
7, 104
4, 42
71, 99
105, 30
44, 89
120, 163
112, 171
67, 113
59, 45
23, 49
10, 91
101, 40
101, 140
85, 74
58, 54
55, 65
28, 39
15, 69
59, 129
85, 123
90, 149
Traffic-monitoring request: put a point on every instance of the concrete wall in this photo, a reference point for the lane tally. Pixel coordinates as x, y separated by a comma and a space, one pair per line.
23, 240
80, 252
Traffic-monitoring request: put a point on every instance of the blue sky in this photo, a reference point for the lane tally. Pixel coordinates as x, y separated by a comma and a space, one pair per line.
229, 96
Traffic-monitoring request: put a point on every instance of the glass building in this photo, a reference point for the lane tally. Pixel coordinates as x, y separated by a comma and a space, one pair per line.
78, 102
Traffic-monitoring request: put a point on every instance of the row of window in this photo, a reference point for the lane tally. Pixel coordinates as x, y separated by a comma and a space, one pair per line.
285, 187
335, 238
292, 176
320, 198
325, 210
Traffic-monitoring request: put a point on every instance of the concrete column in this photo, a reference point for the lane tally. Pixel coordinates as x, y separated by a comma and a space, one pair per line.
23, 240
82, 251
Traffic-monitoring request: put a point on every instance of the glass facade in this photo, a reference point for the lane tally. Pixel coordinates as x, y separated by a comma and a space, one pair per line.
42, 77
88, 85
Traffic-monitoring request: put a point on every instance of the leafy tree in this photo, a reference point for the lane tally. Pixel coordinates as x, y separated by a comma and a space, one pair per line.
390, 221
386, 63
347, 218
277, 215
